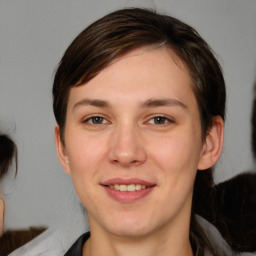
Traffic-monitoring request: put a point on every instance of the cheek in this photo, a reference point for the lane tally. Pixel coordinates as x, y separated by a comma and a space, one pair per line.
177, 157
85, 166
85, 156
177, 151
82, 152
82, 164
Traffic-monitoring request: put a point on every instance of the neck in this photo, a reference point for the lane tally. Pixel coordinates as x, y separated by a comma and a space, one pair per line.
169, 241
142, 247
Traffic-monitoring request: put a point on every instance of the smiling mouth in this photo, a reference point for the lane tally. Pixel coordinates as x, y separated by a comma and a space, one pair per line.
127, 191
128, 188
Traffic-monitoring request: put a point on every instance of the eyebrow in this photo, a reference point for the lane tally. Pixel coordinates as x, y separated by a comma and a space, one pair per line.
95, 102
147, 104
163, 102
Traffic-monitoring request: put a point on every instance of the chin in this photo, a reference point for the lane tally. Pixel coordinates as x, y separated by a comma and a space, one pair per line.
130, 227
129, 233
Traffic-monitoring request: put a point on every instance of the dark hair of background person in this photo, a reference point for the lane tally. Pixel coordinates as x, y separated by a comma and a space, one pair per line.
122, 31
235, 211
8, 152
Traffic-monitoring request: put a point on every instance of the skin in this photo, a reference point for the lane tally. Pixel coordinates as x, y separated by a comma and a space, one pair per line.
2, 206
148, 127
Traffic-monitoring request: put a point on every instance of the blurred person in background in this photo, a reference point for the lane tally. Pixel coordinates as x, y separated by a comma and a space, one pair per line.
11, 240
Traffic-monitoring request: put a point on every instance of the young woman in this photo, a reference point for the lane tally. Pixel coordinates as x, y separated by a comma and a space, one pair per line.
139, 100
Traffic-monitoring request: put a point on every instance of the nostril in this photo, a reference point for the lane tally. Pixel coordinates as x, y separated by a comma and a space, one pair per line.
126, 149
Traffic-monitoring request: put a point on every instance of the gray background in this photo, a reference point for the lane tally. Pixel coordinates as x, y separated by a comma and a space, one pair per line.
33, 37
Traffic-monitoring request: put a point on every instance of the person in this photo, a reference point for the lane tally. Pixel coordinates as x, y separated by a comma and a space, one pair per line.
235, 211
8, 152
139, 100
12, 239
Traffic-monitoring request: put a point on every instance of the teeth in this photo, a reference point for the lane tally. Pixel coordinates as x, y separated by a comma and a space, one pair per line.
122, 187
130, 188
138, 187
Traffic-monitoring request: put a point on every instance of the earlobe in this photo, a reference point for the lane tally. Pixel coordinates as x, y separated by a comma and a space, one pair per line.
61, 152
212, 145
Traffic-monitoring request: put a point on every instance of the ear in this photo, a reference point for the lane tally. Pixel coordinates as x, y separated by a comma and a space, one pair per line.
2, 210
212, 145
61, 151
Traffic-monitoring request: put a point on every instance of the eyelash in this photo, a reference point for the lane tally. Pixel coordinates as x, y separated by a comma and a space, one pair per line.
162, 118
90, 121
101, 120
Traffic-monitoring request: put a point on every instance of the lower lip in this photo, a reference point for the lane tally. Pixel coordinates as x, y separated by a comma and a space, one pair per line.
125, 196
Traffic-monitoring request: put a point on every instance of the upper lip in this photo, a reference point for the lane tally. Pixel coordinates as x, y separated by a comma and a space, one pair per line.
127, 182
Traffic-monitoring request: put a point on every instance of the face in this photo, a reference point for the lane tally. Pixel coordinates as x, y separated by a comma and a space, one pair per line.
133, 144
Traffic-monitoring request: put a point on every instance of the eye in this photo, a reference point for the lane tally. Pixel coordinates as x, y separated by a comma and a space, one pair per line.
95, 120
159, 120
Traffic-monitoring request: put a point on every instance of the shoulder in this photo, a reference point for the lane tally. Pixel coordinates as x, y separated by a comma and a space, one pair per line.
48, 242
77, 248
217, 241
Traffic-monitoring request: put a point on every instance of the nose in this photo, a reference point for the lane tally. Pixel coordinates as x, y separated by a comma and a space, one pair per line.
126, 147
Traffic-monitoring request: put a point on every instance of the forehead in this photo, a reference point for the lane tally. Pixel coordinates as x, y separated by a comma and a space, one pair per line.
144, 71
